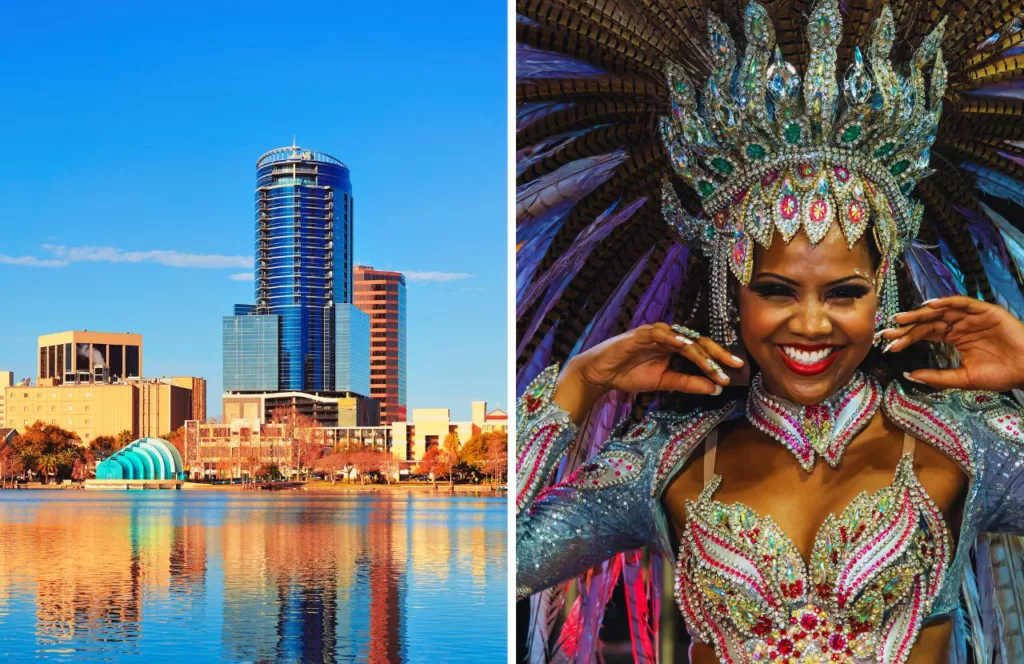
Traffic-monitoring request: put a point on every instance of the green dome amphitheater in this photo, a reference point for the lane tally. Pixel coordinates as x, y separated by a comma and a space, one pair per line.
145, 459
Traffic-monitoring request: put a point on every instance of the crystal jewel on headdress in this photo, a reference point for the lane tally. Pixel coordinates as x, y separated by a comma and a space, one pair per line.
768, 151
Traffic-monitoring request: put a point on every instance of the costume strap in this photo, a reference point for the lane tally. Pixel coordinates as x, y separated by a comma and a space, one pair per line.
710, 449
908, 445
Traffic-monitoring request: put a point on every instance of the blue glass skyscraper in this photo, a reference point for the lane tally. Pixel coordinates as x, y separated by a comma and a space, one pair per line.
303, 279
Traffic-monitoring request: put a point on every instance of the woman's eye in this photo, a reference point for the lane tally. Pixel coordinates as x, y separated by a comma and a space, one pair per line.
772, 290
848, 293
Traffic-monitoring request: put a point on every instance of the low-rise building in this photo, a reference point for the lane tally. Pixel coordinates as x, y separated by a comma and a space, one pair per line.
212, 449
430, 426
143, 407
6, 380
327, 410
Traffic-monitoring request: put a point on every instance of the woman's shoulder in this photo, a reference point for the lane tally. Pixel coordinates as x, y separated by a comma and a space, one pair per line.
665, 439
962, 423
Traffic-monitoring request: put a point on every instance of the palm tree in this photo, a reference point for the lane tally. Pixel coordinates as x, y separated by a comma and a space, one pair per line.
48, 465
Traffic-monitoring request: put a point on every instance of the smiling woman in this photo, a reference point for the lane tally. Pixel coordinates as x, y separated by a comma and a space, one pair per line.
698, 370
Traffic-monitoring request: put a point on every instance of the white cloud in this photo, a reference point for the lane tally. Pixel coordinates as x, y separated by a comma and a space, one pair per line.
31, 261
168, 257
243, 276
436, 276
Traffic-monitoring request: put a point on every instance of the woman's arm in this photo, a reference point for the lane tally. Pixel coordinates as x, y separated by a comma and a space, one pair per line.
605, 506
598, 511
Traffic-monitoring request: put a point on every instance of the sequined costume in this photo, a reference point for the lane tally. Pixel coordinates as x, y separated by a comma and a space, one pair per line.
659, 142
879, 569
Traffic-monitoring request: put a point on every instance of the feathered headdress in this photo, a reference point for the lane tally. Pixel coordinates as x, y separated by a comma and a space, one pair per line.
767, 152
597, 97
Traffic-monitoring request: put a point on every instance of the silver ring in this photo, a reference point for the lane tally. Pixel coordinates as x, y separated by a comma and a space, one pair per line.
686, 332
714, 366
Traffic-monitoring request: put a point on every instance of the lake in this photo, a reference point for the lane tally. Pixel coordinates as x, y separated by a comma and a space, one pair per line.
252, 576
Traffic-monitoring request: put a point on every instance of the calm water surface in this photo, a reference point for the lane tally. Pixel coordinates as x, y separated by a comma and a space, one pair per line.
256, 577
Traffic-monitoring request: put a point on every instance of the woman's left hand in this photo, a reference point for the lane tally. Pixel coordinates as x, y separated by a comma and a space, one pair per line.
990, 341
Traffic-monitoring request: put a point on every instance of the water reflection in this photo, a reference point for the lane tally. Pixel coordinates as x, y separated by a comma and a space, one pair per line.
252, 577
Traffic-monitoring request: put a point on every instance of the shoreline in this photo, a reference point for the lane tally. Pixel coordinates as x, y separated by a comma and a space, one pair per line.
309, 487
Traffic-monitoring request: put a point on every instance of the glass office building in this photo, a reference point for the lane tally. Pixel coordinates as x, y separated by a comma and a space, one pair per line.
352, 350
251, 353
303, 274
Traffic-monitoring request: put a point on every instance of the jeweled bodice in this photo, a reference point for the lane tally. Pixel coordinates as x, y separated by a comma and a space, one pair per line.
873, 576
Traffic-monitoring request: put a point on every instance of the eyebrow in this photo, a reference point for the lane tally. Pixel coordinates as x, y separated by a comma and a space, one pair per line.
795, 283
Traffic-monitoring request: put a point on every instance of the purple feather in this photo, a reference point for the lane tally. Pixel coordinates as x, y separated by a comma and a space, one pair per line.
930, 276
995, 261
527, 114
535, 64
1008, 90
602, 326
565, 186
540, 360
553, 282
654, 303
542, 205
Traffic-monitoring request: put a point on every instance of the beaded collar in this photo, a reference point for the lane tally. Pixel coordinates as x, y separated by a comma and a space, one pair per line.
826, 428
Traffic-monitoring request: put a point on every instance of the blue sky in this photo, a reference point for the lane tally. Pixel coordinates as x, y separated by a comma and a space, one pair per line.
131, 133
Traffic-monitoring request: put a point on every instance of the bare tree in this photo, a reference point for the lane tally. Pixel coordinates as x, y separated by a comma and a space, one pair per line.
389, 466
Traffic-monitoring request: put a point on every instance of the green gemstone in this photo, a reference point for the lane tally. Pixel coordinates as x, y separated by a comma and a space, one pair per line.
755, 151
899, 167
721, 165
906, 188
705, 188
884, 150
851, 134
792, 133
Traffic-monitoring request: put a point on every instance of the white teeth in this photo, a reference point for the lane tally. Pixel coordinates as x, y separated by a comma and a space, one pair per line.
807, 357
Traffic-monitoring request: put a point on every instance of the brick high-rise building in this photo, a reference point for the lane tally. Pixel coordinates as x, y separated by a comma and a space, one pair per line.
381, 295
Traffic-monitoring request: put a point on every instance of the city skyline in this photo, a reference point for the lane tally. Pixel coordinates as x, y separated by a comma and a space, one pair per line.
129, 208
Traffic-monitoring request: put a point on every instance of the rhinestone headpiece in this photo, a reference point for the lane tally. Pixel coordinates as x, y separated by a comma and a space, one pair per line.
766, 151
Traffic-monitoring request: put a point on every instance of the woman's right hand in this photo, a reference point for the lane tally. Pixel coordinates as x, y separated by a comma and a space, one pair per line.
638, 361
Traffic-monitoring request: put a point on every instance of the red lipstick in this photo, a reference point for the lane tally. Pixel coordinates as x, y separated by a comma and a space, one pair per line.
808, 369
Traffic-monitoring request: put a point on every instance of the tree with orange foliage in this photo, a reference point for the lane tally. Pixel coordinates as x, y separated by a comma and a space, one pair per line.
496, 462
47, 448
431, 465
10, 465
449, 456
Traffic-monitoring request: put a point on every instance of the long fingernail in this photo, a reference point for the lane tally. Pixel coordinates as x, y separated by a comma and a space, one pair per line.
930, 300
889, 346
912, 379
718, 390
684, 340
892, 319
736, 359
722, 376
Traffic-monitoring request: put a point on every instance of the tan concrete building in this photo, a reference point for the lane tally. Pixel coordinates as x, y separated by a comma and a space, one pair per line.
213, 450
6, 380
198, 388
142, 407
82, 357
429, 427
351, 410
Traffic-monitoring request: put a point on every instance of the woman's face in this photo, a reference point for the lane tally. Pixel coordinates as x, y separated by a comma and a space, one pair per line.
808, 314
